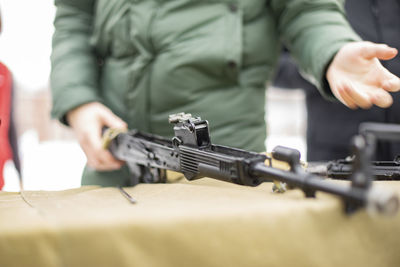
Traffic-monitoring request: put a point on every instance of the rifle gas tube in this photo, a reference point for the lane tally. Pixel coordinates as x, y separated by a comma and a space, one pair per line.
191, 152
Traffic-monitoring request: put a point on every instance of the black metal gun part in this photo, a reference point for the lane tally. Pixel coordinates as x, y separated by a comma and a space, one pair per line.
342, 169
369, 133
191, 152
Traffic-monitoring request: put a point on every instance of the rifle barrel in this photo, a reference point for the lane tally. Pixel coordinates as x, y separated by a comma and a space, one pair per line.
375, 198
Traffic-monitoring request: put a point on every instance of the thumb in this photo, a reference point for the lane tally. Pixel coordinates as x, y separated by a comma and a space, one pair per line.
380, 51
111, 120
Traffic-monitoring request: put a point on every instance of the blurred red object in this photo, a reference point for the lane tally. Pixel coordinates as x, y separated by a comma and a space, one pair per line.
6, 152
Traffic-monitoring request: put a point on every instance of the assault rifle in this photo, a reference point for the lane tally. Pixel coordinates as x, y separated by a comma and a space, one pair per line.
369, 134
191, 152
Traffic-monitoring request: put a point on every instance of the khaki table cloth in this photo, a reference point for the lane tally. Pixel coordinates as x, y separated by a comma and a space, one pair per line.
201, 223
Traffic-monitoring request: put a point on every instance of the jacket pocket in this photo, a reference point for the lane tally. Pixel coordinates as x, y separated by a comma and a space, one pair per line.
112, 29
121, 43
207, 45
233, 41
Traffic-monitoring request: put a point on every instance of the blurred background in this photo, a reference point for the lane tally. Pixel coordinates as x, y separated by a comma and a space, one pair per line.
51, 158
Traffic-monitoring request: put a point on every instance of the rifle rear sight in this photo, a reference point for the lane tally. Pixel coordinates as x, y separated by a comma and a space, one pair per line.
190, 131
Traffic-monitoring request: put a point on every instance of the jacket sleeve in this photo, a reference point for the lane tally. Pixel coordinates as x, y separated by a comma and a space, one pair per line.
74, 74
313, 31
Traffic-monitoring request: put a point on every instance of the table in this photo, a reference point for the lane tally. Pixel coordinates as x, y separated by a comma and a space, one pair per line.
200, 223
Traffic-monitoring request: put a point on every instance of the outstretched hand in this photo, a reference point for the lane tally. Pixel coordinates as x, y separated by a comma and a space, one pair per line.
88, 121
358, 79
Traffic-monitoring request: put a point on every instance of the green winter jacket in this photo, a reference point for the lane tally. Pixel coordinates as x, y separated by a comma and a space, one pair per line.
146, 59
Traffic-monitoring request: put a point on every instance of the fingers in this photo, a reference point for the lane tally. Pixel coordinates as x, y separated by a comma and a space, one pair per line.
354, 96
381, 98
99, 158
87, 122
381, 51
111, 120
381, 77
391, 83
341, 94
358, 79
359, 98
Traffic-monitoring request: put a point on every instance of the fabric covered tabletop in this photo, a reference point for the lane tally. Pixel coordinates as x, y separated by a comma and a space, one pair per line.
201, 223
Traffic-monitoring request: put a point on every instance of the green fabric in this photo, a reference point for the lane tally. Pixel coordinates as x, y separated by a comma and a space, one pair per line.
107, 178
313, 31
147, 59
202, 223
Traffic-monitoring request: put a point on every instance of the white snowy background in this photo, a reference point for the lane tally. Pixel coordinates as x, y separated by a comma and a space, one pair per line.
56, 164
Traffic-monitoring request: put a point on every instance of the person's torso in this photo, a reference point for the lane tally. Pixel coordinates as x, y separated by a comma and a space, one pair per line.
208, 58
